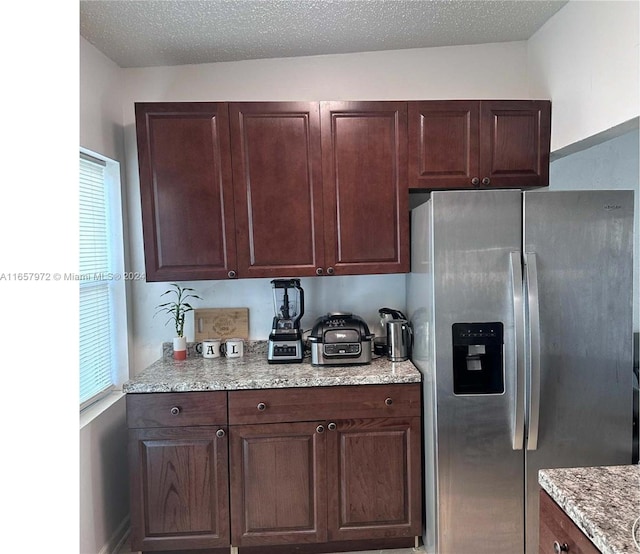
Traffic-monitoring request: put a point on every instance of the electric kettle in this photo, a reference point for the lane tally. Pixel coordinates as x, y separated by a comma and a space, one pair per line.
399, 337
380, 342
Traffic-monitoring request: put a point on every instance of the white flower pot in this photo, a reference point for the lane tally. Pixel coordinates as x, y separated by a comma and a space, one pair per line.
180, 348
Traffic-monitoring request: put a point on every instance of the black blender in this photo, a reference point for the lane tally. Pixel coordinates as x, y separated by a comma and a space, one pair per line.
285, 340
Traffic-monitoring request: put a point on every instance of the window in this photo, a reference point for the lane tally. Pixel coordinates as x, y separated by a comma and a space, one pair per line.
103, 351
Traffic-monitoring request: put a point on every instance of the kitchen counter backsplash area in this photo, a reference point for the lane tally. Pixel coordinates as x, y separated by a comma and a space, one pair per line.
252, 371
604, 502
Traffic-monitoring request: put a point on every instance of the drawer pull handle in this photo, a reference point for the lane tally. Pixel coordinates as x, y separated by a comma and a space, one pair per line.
560, 548
175, 410
486, 181
388, 401
320, 428
332, 426
220, 433
262, 406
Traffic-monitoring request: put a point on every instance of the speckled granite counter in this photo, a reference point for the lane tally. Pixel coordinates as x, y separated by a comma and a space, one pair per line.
604, 502
254, 372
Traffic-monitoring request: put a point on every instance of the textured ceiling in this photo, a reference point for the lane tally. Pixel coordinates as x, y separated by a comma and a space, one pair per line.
144, 33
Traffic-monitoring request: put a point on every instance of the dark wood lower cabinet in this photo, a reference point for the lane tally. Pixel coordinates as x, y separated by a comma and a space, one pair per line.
325, 484
374, 479
273, 471
278, 484
179, 489
557, 531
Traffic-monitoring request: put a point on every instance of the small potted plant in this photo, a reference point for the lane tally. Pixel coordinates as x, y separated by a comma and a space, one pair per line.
177, 310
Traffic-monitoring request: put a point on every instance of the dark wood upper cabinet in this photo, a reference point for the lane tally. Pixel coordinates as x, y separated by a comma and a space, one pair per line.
186, 190
293, 189
277, 178
364, 163
479, 144
443, 143
515, 139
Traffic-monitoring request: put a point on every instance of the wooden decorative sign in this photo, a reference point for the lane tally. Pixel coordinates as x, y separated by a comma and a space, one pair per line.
222, 323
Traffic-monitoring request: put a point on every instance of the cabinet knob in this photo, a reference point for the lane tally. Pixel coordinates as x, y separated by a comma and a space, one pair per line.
232, 274
388, 401
220, 433
486, 181
175, 410
332, 426
261, 406
475, 181
330, 270
320, 429
319, 271
559, 548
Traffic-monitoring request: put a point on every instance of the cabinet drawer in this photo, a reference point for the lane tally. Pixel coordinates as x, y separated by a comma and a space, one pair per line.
176, 409
310, 404
556, 526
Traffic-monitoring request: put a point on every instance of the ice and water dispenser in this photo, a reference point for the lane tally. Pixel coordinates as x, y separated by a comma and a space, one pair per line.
478, 364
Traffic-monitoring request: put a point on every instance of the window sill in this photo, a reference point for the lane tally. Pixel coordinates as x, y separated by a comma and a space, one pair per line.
95, 410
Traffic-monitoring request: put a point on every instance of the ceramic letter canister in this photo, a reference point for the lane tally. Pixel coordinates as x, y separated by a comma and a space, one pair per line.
211, 348
233, 348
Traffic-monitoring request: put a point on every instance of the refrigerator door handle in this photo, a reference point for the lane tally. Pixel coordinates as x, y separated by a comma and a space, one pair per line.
534, 349
518, 320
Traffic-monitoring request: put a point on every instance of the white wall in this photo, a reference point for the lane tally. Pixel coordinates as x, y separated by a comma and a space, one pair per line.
104, 497
585, 59
457, 72
480, 71
100, 103
104, 481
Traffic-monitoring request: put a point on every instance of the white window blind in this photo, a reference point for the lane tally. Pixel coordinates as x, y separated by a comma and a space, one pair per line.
97, 341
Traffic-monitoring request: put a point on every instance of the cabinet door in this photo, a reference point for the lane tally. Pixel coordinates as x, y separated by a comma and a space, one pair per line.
443, 144
179, 489
278, 484
186, 190
364, 168
515, 138
557, 528
277, 179
374, 478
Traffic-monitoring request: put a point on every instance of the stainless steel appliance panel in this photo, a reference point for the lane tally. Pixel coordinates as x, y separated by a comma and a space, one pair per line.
473, 235
581, 246
420, 302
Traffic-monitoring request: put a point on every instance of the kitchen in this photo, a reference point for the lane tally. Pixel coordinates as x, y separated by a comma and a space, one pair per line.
536, 68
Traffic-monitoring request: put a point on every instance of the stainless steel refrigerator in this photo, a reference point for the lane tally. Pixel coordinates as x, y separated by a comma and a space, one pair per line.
521, 307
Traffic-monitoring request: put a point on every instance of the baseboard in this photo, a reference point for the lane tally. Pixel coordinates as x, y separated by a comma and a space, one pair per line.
117, 539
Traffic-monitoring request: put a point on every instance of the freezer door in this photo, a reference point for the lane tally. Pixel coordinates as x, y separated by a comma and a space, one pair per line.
580, 246
479, 475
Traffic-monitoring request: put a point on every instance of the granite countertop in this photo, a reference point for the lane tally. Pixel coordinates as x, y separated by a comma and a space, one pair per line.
604, 502
252, 371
